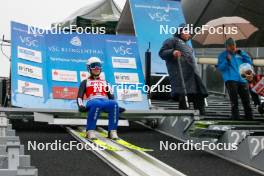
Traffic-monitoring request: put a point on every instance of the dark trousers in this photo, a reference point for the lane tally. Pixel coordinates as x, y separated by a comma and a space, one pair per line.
234, 89
255, 98
257, 102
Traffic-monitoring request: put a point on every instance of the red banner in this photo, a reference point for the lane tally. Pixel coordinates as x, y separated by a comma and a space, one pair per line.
65, 92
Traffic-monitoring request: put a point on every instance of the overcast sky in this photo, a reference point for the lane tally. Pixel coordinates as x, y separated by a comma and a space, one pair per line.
36, 13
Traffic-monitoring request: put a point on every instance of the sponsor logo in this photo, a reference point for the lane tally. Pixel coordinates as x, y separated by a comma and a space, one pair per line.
122, 50
29, 88
28, 41
65, 92
124, 62
159, 17
75, 50
166, 9
84, 75
29, 71
129, 95
127, 42
161, 14
64, 75
129, 78
76, 41
29, 54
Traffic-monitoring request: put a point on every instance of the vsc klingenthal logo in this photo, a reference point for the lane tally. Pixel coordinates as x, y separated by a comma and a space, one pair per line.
76, 41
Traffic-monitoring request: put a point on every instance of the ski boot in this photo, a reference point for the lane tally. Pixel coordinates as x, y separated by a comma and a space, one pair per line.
90, 134
113, 135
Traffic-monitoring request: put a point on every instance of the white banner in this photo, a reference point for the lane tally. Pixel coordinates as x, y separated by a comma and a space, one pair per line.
129, 95
126, 78
29, 88
29, 54
124, 62
29, 71
64, 75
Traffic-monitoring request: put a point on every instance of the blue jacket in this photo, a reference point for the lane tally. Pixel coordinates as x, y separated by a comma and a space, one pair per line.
230, 70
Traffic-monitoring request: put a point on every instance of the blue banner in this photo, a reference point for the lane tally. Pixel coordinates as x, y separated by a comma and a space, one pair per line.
47, 68
154, 22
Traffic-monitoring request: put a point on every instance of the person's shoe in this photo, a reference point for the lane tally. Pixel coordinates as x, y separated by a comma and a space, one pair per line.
182, 104
90, 134
113, 135
235, 117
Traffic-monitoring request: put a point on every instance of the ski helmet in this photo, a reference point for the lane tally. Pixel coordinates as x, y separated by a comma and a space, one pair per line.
93, 60
94, 63
245, 69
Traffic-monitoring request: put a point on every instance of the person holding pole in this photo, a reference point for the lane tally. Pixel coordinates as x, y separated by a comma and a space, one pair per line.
184, 77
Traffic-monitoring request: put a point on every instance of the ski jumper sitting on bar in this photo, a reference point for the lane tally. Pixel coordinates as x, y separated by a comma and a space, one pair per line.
99, 99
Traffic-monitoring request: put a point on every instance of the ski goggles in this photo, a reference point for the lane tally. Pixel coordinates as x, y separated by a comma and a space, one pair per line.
97, 66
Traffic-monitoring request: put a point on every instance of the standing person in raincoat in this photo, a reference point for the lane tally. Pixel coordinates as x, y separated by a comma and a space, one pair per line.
177, 48
228, 64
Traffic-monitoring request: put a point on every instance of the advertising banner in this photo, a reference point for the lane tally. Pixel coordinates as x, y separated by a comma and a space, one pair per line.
47, 68
155, 21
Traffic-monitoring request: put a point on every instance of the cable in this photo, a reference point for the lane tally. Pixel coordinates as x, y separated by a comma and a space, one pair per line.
1, 46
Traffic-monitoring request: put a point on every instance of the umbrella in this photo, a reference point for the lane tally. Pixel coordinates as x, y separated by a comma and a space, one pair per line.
236, 27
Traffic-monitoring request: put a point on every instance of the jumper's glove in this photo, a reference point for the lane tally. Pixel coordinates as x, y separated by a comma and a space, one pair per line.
121, 109
82, 109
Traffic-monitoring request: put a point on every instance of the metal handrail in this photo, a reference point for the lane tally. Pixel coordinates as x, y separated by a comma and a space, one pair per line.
213, 61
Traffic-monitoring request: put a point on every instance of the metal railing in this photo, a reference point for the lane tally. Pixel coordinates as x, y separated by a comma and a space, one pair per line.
207, 60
